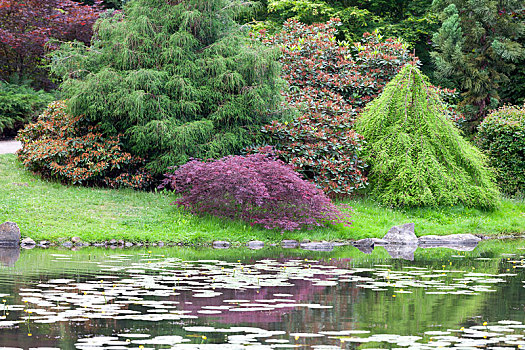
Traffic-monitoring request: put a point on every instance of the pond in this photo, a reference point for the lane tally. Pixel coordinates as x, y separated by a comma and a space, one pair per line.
183, 298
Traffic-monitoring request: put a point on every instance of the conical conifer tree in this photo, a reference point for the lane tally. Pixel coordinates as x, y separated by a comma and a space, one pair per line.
417, 156
179, 79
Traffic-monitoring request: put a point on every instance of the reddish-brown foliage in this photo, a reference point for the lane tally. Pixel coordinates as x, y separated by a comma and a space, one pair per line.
26, 26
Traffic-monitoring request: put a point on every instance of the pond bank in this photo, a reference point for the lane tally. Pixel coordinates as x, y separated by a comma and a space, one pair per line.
53, 212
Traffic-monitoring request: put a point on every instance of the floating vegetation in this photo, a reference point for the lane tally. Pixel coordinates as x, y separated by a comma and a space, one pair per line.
222, 304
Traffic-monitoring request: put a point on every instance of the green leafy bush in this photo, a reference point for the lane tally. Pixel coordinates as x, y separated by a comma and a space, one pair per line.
178, 79
19, 104
417, 156
58, 146
502, 136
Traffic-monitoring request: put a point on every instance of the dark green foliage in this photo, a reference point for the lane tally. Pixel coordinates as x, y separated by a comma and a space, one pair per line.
417, 156
478, 46
502, 136
179, 80
18, 105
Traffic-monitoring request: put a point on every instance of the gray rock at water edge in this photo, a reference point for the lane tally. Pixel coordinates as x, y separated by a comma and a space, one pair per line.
76, 239
113, 242
366, 242
161, 244
255, 244
44, 244
128, 244
402, 234
221, 244
457, 239
28, 243
99, 244
9, 234
67, 244
289, 243
318, 246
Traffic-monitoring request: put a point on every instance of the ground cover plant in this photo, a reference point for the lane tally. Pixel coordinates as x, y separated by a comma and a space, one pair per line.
176, 79
417, 156
58, 146
255, 189
502, 136
48, 210
329, 83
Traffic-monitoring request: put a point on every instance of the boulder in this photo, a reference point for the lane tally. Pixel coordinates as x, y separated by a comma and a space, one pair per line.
463, 242
366, 242
67, 244
255, 244
289, 243
9, 234
76, 239
402, 234
27, 243
221, 244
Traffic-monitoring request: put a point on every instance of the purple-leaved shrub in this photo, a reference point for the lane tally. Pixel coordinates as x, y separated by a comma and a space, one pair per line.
256, 189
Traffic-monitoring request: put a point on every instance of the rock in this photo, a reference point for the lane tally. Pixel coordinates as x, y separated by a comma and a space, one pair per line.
99, 244
402, 234
366, 242
401, 251
76, 239
67, 244
9, 234
113, 242
289, 243
121, 242
44, 244
161, 244
318, 246
27, 243
255, 244
9, 256
306, 240
463, 242
221, 244
128, 244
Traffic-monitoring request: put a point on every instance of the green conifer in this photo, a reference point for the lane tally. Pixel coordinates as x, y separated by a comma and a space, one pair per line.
179, 79
417, 156
478, 45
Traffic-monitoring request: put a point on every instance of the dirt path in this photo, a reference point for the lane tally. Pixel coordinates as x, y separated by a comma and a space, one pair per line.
10, 146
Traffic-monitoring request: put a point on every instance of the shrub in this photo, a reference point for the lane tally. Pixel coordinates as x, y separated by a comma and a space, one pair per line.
255, 189
179, 79
417, 156
502, 136
58, 146
329, 84
19, 104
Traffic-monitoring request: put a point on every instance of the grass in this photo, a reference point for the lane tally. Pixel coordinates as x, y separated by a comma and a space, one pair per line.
49, 210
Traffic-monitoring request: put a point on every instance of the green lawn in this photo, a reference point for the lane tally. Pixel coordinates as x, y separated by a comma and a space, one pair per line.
48, 210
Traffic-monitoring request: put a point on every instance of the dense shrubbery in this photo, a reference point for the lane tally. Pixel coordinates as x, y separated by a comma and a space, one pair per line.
329, 84
26, 28
178, 79
417, 156
18, 105
58, 146
502, 136
255, 189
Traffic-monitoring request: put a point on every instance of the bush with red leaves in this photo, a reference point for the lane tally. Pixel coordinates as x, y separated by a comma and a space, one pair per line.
255, 189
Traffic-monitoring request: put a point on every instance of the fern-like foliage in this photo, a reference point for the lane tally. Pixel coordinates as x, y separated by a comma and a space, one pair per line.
417, 156
179, 79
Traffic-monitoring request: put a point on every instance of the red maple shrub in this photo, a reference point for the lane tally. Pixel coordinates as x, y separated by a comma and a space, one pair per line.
255, 189
330, 82
58, 146
27, 26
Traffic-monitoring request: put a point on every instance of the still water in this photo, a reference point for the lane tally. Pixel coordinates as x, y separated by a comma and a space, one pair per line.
181, 298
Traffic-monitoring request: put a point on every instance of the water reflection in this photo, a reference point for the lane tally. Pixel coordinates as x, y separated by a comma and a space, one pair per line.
9, 256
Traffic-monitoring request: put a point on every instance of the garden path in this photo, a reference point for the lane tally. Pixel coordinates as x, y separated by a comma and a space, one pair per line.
10, 146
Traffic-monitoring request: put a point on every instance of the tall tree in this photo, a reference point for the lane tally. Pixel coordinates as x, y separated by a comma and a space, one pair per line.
476, 47
179, 79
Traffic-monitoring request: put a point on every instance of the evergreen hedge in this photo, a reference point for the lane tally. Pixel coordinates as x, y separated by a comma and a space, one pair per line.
178, 79
417, 156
